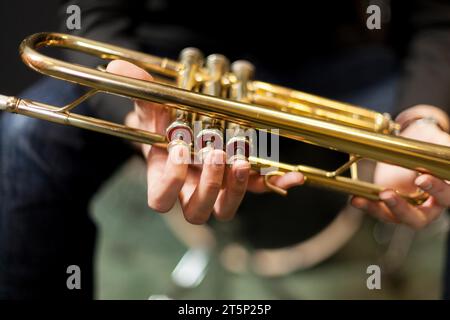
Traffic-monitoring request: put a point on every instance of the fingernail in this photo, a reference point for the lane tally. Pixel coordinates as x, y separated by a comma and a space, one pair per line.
424, 185
388, 198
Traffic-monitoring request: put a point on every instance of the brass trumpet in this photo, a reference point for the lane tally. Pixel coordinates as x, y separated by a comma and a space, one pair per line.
222, 97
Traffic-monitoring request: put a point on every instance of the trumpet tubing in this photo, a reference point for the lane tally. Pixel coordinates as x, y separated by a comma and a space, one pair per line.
225, 96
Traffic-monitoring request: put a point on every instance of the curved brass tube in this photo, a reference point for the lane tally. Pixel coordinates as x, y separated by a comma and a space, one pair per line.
297, 115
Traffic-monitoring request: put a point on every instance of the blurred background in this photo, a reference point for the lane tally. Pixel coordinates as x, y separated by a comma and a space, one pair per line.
139, 256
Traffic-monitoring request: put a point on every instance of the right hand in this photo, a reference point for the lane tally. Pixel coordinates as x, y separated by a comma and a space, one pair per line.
212, 187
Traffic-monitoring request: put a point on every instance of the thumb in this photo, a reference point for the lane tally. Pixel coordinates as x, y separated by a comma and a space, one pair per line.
127, 69
395, 177
148, 115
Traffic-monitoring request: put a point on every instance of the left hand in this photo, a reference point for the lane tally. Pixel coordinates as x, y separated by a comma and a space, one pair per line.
394, 208
211, 188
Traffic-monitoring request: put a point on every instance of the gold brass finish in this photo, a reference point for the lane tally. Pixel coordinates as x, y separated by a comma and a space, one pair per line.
339, 126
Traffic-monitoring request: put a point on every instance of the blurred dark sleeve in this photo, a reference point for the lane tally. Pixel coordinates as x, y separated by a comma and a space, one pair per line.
426, 78
111, 21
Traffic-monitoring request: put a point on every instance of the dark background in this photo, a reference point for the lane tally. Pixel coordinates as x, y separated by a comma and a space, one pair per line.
19, 19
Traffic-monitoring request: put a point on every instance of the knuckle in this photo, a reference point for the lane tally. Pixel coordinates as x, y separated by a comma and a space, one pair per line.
225, 215
213, 185
159, 208
159, 205
196, 219
225, 209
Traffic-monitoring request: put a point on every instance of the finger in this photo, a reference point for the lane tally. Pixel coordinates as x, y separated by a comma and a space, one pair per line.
437, 188
145, 110
166, 175
431, 208
132, 120
286, 181
394, 177
127, 69
192, 179
201, 203
230, 197
375, 208
403, 211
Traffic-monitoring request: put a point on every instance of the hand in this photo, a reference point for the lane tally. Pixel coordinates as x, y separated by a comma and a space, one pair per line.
394, 208
212, 187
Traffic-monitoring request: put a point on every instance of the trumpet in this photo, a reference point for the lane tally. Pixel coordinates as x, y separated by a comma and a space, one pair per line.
224, 96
